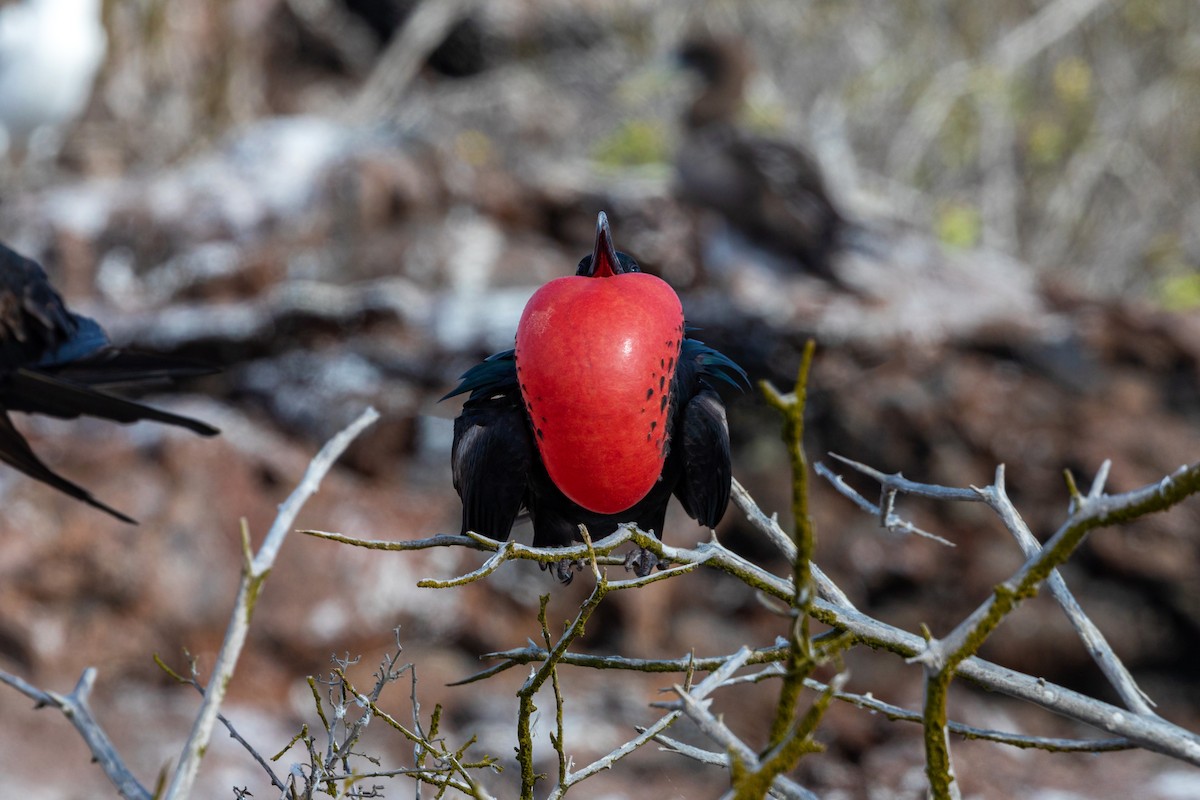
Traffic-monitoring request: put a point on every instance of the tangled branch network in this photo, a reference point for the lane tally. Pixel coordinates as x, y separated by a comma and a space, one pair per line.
805, 595
810, 594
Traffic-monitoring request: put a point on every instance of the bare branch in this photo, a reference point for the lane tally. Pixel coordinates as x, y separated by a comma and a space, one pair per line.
970, 732
452, 764
884, 511
195, 684
440, 540
1102, 653
608, 761
1140, 730
1095, 512
941, 658
254, 573
1151, 733
694, 704
770, 526
996, 498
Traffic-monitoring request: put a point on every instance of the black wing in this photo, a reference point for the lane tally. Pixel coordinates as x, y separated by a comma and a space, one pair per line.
36, 392
791, 209
704, 443
491, 459
54, 362
493, 448
701, 434
15, 451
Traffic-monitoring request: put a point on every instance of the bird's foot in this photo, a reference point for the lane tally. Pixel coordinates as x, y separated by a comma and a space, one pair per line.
643, 562
564, 569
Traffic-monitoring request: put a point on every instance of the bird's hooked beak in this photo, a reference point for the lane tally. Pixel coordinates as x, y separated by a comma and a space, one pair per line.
604, 263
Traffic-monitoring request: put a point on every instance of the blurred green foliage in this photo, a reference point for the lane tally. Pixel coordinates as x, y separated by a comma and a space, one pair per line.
1179, 292
635, 142
959, 225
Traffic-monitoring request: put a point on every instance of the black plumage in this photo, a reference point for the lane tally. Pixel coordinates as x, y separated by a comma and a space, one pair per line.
770, 190
498, 472
61, 364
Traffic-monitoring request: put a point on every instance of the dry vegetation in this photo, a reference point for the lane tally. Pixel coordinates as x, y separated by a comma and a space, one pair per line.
366, 254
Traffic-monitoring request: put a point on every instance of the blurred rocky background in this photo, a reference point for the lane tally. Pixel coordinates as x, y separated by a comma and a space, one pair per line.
344, 203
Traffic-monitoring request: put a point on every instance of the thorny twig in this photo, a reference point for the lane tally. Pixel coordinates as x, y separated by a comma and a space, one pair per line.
941, 658
694, 703
1151, 733
192, 679
331, 766
996, 497
74, 707
791, 737
255, 569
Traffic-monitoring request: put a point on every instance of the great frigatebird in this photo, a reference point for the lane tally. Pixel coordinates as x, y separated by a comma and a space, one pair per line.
602, 412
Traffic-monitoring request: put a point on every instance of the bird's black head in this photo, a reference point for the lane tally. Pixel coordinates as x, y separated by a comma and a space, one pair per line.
702, 56
723, 64
605, 260
716, 59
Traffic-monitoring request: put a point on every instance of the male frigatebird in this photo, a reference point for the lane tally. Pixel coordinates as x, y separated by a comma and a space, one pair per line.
61, 364
771, 190
601, 412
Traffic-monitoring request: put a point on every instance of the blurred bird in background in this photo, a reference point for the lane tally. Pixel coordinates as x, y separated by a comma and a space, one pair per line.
602, 412
61, 364
50, 52
460, 53
771, 191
